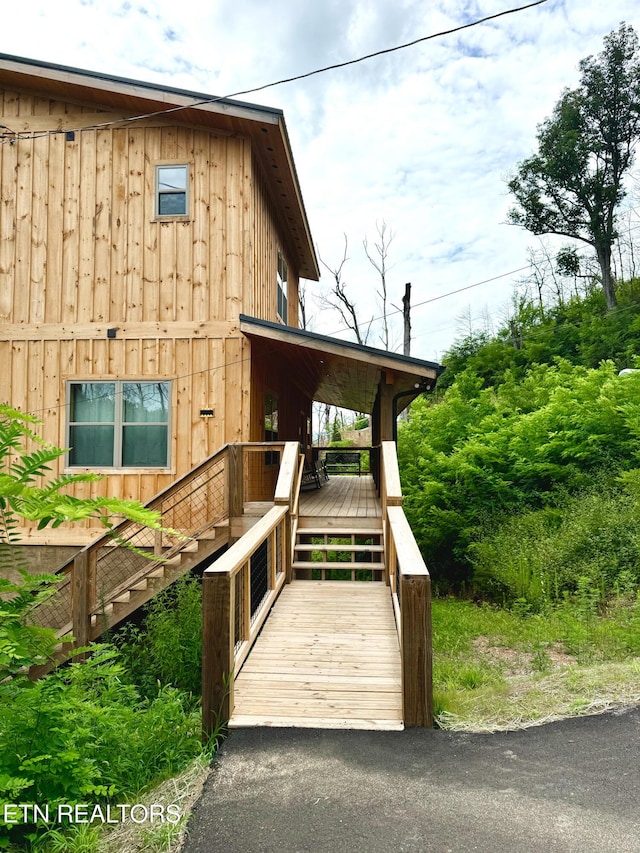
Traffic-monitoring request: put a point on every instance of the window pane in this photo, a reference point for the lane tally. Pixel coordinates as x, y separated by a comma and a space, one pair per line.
93, 402
91, 446
172, 204
144, 445
145, 402
172, 178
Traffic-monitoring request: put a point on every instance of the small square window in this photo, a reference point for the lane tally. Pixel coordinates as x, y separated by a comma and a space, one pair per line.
172, 190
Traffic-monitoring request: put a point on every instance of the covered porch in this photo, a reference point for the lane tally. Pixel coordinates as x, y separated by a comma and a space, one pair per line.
299, 367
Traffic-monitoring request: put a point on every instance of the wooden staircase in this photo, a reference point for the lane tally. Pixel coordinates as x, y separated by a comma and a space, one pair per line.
149, 581
351, 551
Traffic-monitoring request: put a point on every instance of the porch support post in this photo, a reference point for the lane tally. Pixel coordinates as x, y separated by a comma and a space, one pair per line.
385, 411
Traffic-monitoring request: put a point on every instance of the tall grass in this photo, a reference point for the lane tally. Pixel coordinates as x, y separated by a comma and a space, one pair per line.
586, 549
494, 667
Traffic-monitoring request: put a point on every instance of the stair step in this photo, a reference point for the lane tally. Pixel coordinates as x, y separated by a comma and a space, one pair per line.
332, 546
340, 531
140, 586
303, 564
122, 599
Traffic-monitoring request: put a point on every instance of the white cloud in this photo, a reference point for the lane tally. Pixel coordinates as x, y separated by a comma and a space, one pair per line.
422, 138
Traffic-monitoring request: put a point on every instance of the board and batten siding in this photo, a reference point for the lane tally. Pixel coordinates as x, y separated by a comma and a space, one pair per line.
81, 252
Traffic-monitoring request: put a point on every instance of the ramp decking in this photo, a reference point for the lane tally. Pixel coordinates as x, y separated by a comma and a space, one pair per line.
328, 657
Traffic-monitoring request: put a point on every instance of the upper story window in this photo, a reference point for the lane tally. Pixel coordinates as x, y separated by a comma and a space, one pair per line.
172, 190
282, 288
118, 424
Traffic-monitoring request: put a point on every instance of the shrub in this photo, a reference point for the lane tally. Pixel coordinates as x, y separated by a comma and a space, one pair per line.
167, 649
586, 548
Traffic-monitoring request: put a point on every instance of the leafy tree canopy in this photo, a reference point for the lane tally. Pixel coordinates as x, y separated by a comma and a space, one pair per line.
574, 184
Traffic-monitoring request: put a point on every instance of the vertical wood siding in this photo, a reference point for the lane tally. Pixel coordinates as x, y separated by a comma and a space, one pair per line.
81, 251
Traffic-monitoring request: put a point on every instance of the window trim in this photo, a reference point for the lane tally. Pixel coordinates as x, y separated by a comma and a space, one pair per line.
119, 425
170, 217
282, 289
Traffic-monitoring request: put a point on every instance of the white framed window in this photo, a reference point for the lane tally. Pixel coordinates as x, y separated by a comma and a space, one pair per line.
281, 279
118, 424
172, 190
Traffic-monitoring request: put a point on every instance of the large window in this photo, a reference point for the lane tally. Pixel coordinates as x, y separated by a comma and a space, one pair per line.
119, 424
172, 190
282, 288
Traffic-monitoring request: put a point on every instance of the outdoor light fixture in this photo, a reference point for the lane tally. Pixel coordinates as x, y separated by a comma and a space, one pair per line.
206, 413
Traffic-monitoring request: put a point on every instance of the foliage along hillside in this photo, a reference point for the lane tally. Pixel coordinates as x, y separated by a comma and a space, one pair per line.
525, 440
580, 330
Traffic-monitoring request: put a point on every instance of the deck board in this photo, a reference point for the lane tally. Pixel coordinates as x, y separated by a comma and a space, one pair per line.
328, 657
342, 497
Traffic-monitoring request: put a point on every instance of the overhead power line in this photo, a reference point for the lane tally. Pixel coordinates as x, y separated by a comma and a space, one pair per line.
8, 137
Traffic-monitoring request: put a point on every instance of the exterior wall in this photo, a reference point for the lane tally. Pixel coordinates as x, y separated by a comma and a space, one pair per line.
81, 253
269, 374
267, 244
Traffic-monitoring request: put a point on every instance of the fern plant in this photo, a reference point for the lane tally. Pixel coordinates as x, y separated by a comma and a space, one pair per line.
26, 459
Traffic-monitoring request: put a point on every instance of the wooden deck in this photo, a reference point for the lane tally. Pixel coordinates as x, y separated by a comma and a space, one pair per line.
342, 497
328, 657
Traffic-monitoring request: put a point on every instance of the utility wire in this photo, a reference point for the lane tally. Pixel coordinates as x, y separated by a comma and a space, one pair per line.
204, 101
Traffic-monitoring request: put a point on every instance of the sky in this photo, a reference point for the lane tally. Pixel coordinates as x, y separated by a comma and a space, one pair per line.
420, 141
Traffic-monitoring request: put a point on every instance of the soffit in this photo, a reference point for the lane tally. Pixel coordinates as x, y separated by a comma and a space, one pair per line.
336, 372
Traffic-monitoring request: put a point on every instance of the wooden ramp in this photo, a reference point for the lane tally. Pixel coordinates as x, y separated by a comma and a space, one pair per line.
328, 657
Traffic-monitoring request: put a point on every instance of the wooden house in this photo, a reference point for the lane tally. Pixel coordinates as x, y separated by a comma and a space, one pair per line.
151, 245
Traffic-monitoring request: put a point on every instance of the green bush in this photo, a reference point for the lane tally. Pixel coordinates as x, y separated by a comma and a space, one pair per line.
587, 548
167, 649
84, 734
483, 453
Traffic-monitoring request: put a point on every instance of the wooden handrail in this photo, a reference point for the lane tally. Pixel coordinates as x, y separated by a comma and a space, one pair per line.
222, 657
284, 492
410, 586
192, 505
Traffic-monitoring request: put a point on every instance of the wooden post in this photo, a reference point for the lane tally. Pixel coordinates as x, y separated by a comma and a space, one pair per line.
415, 598
218, 642
235, 480
386, 393
80, 604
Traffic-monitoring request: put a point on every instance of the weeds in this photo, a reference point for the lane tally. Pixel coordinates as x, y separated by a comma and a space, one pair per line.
497, 668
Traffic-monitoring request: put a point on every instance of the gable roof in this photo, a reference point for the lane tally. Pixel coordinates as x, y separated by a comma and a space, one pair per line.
341, 373
134, 100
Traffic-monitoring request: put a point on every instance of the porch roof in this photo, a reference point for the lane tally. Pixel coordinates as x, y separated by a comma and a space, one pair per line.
340, 373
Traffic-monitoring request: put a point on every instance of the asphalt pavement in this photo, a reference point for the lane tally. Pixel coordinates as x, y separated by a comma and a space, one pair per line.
571, 786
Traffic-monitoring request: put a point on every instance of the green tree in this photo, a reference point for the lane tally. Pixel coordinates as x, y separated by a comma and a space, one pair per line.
574, 184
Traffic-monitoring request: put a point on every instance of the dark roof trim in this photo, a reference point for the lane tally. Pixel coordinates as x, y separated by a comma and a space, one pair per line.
141, 84
358, 350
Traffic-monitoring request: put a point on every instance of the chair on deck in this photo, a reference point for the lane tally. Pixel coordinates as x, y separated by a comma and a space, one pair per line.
310, 477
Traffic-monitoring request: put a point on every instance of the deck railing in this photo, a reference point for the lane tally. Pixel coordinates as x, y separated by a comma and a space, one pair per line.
238, 591
410, 584
217, 489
